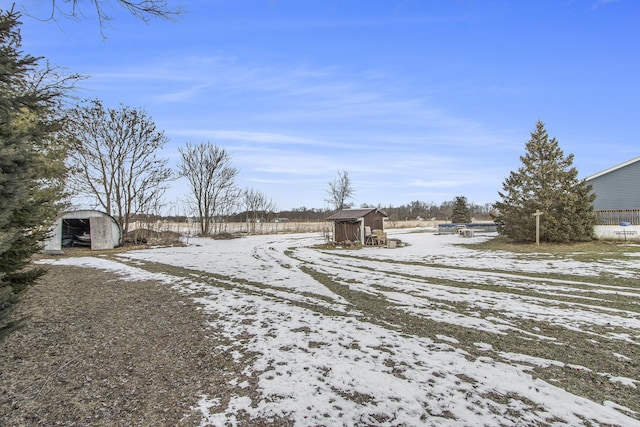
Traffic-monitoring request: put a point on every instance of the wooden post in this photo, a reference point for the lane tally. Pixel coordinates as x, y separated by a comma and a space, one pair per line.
537, 215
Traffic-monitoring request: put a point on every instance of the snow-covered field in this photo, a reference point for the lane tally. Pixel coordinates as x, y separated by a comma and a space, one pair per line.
432, 333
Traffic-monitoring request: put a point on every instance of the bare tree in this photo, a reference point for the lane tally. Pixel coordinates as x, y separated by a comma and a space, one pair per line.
229, 203
141, 9
257, 205
340, 191
113, 158
212, 179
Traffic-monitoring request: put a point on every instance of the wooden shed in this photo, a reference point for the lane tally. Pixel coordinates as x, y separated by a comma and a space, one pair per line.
352, 224
89, 228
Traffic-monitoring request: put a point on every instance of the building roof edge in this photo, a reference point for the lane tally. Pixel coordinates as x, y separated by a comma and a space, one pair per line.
611, 169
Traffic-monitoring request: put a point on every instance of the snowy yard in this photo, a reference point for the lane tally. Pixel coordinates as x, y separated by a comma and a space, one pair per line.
433, 333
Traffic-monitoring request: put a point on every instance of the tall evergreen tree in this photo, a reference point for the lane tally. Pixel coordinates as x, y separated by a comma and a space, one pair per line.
31, 163
461, 211
547, 183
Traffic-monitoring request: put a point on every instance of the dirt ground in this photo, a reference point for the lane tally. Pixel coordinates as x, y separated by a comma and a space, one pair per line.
96, 350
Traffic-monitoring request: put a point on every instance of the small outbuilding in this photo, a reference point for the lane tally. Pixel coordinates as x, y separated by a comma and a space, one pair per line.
87, 228
357, 225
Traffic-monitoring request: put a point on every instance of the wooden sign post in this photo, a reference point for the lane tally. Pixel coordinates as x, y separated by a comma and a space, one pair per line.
537, 215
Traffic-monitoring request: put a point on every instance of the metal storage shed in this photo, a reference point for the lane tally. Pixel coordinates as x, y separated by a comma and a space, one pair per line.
89, 228
349, 224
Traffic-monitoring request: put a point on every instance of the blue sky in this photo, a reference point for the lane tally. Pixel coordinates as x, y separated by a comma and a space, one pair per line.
416, 100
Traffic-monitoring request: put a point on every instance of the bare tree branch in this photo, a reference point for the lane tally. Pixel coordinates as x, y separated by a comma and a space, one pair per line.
144, 10
257, 205
113, 158
340, 191
212, 179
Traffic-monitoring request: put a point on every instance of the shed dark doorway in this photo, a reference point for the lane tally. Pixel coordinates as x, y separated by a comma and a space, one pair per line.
75, 232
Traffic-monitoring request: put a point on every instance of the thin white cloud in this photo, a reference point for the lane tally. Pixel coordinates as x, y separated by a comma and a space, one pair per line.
274, 163
294, 127
327, 98
604, 2
183, 95
318, 91
434, 184
250, 137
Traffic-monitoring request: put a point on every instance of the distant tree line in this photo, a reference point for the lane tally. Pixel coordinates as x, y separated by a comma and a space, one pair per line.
445, 211
416, 210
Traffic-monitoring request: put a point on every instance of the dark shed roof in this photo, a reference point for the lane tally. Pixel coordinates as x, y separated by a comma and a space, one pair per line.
353, 214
